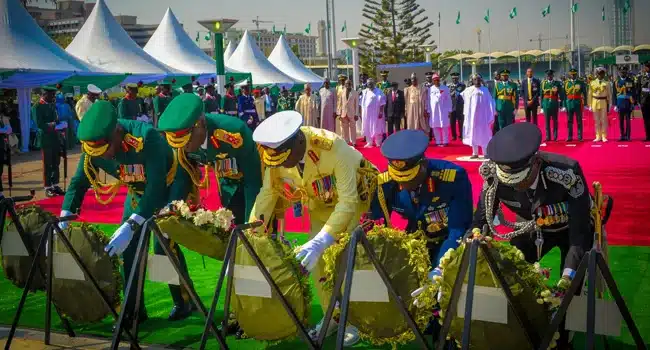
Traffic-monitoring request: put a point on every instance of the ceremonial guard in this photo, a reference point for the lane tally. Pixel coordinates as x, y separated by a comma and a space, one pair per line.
246, 107
49, 126
316, 169
456, 118
229, 103
160, 102
575, 91
137, 155
530, 90
131, 107
552, 94
507, 100
625, 101
284, 102
211, 100
643, 93
600, 95
547, 191
384, 84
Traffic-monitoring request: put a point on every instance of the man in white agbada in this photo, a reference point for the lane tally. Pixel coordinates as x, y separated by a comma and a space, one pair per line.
439, 110
85, 102
327, 107
479, 113
373, 124
307, 106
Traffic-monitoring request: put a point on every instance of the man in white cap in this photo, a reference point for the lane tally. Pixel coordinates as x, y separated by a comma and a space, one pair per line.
373, 124
313, 168
87, 100
439, 109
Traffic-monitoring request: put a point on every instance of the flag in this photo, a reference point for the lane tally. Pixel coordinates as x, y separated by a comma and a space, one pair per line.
308, 29
603, 13
487, 16
285, 30
198, 35
513, 13
574, 8
626, 6
546, 11
439, 20
208, 37
345, 27
458, 18
273, 30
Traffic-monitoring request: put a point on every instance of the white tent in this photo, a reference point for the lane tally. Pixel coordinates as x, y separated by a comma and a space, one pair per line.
249, 58
286, 61
104, 43
230, 49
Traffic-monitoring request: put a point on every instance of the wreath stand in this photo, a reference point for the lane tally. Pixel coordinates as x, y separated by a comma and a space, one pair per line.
46, 243
358, 237
140, 262
469, 260
229, 260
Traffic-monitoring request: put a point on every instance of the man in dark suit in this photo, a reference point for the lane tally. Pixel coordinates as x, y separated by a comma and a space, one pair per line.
394, 108
530, 94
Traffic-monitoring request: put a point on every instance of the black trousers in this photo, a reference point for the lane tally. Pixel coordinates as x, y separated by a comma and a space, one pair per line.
51, 161
645, 109
551, 116
625, 123
457, 118
531, 113
576, 113
394, 124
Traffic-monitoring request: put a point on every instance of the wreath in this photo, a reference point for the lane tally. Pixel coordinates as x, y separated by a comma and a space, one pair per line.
525, 280
196, 228
79, 300
262, 318
34, 220
406, 261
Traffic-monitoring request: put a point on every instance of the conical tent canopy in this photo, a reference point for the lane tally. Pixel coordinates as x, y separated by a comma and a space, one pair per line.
104, 43
230, 49
249, 58
286, 61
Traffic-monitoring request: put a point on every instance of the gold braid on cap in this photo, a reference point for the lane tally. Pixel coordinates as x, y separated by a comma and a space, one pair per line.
274, 158
403, 175
178, 140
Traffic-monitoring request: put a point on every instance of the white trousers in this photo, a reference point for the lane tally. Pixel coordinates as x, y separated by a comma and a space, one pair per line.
441, 135
475, 149
349, 130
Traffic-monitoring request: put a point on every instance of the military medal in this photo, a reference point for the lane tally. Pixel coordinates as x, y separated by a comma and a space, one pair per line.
297, 209
539, 243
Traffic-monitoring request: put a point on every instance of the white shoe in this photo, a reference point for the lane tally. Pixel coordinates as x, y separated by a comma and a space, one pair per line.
331, 328
597, 139
604, 139
351, 336
368, 145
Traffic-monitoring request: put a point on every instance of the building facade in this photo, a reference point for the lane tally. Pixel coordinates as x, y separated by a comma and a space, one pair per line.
621, 23
266, 41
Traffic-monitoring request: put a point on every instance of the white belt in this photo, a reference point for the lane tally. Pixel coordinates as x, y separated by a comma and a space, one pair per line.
250, 111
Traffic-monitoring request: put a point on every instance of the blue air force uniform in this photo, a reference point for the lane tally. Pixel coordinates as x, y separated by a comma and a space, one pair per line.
625, 100
440, 202
246, 110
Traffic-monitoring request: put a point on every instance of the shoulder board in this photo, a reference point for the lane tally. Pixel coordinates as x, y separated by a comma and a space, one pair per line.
321, 141
232, 138
135, 142
567, 178
383, 178
488, 170
445, 175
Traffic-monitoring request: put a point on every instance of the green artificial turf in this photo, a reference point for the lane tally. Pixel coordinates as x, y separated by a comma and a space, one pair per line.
630, 266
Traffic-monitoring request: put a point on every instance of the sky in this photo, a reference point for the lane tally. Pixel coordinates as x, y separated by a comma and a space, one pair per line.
297, 14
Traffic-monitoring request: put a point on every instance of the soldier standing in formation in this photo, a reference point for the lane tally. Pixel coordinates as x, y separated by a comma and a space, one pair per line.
246, 107
384, 85
551, 95
625, 101
284, 102
643, 91
575, 91
211, 100
600, 95
229, 103
47, 120
507, 100
131, 107
456, 118
161, 101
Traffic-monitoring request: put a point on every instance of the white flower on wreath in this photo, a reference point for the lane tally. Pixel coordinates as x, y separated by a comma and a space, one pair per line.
223, 218
202, 217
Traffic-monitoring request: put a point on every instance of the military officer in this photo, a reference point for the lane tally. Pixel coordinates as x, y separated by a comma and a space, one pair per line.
307, 167
552, 94
456, 117
138, 156
507, 100
340, 88
246, 107
284, 101
600, 102
575, 91
161, 101
229, 102
384, 85
625, 101
211, 100
428, 79
47, 121
188, 88
643, 94
131, 106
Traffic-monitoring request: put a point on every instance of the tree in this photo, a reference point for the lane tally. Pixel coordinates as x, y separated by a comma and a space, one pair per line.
62, 39
394, 32
296, 51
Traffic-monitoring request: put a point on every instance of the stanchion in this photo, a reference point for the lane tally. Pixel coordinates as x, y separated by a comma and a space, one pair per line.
141, 264
469, 261
357, 238
228, 269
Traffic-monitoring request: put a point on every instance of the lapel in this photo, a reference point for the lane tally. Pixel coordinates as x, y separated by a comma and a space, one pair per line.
311, 167
404, 197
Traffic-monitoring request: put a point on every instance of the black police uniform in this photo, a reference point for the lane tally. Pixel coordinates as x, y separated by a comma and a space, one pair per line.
625, 91
559, 204
457, 103
643, 94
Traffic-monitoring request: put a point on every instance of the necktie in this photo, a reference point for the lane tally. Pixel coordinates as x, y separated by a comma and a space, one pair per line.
530, 89
394, 96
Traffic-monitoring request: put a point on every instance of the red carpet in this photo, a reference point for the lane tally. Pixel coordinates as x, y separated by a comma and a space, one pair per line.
622, 168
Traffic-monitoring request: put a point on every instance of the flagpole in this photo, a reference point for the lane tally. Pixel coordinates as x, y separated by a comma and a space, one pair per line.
490, 47
335, 64
518, 50
550, 56
578, 42
461, 60
347, 58
439, 48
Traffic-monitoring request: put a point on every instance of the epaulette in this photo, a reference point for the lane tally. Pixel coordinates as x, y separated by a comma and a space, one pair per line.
488, 170
567, 178
321, 141
445, 175
383, 178
232, 138
135, 142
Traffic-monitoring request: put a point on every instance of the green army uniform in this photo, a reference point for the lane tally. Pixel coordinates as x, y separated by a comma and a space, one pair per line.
284, 104
576, 95
507, 100
131, 108
46, 118
229, 105
552, 94
384, 85
212, 103
143, 164
160, 103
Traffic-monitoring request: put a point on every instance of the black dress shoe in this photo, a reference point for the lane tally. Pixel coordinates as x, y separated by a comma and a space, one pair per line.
180, 312
49, 193
58, 190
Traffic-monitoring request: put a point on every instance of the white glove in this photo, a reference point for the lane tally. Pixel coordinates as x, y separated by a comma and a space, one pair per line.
541, 111
589, 109
64, 224
61, 126
437, 272
563, 109
122, 237
615, 109
311, 251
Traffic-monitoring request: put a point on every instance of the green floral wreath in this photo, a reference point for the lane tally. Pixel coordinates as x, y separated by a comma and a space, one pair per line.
406, 260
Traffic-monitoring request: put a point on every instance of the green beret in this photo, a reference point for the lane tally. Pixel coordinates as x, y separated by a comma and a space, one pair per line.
98, 123
182, 113
505, 72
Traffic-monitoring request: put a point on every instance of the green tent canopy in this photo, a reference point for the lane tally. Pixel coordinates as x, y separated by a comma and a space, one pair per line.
103, 82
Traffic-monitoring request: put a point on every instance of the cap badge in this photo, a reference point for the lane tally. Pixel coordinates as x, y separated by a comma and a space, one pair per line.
398, 164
